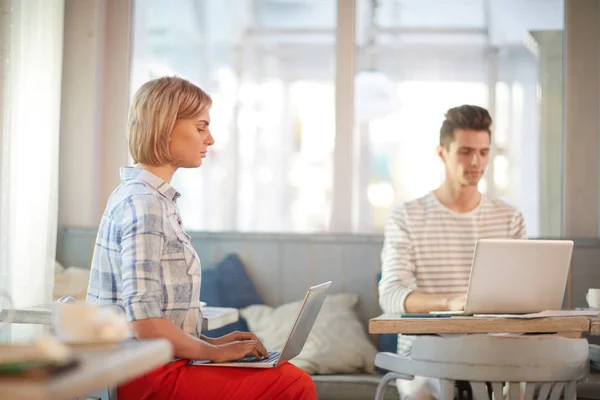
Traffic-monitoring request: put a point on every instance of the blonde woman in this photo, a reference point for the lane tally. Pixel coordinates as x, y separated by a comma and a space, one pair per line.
144, 262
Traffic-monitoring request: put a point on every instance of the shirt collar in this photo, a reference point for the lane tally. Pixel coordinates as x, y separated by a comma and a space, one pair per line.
128, 173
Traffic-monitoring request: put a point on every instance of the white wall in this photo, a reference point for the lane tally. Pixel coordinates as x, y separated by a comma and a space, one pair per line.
4, 49
582, 121
95, 99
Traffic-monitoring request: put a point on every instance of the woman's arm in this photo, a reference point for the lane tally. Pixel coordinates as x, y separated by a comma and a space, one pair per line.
190, 347
184, 345
142, 240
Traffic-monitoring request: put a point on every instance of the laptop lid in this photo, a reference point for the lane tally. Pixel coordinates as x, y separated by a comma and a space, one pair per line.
305, 319
511, 276
307, 315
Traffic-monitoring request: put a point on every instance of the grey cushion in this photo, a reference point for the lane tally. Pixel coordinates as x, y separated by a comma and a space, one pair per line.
351, 387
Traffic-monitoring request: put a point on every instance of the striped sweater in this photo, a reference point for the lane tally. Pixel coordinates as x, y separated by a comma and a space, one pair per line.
429, 248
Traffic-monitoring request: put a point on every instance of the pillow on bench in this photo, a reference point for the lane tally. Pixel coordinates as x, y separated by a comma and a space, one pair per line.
228, 285
71, 281
337, 343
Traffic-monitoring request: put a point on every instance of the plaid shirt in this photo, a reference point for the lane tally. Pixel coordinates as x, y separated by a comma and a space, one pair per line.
143, 259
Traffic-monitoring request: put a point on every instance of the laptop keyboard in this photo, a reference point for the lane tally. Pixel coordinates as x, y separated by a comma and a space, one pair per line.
273, 356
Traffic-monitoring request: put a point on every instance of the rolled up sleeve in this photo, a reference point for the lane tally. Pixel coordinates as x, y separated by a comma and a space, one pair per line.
397, 264
142, 241
517, 226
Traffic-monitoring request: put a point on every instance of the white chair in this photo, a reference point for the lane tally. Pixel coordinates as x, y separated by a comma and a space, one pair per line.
546, 364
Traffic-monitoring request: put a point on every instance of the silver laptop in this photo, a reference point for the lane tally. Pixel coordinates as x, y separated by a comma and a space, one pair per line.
309, 310
517, 276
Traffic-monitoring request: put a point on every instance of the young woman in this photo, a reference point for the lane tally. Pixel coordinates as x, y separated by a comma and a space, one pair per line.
144, 262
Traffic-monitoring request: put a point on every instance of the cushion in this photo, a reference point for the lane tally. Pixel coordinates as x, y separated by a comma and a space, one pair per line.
337, 343
71, 281
228, 285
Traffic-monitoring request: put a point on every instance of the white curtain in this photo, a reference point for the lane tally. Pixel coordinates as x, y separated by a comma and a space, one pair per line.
31, 48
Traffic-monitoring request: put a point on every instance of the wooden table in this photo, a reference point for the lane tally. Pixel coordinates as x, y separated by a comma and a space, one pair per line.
212, 317
570, 326
97, 369
595, 326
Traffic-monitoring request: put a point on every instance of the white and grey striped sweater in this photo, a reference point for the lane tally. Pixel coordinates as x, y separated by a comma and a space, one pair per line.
429, 248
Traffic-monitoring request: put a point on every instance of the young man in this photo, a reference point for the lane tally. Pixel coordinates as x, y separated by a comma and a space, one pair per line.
429, 242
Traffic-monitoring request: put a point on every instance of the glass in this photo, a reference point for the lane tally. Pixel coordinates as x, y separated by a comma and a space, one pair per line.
417, 58
7, 310
269, 67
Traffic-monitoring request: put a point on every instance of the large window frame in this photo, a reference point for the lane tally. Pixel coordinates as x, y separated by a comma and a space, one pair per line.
579, 207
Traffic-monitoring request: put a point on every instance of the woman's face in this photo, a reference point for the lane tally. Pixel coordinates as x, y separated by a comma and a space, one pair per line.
190, 140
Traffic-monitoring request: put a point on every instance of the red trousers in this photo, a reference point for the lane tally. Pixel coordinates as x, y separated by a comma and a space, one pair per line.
178, 381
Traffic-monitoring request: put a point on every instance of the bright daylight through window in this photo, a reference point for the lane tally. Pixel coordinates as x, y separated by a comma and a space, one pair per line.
270, 67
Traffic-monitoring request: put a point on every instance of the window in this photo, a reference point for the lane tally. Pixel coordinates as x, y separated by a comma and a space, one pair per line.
416, 59
270, 68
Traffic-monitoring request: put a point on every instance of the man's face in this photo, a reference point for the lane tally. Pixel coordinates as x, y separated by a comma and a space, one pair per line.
466, 157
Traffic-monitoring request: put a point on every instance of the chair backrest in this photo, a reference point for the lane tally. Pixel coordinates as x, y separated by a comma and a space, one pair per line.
545, 365
543, 358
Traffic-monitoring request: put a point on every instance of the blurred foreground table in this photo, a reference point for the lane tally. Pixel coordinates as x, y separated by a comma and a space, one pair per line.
97, 368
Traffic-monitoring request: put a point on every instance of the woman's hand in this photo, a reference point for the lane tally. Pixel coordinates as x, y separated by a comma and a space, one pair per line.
235, 337
185, 345
237, 350
237, 345
238, 337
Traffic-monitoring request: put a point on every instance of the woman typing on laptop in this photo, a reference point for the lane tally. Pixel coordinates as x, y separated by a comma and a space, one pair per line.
144, 262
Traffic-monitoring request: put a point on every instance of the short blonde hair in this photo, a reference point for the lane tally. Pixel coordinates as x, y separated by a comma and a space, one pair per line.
155, 107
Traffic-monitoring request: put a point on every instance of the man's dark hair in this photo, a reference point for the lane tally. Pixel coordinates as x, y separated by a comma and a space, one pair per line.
464, 117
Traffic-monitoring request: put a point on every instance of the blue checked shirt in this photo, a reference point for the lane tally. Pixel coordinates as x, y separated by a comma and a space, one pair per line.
143, 259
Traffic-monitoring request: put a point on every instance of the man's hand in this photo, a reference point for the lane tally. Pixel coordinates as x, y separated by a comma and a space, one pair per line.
457, 303
419, 302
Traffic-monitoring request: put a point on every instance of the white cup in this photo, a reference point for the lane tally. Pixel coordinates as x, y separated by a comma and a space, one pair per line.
9, 313
89, 323
76, 322
593, 298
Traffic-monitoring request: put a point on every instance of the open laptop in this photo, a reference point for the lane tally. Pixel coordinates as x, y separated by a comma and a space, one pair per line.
309, 310
517, 276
